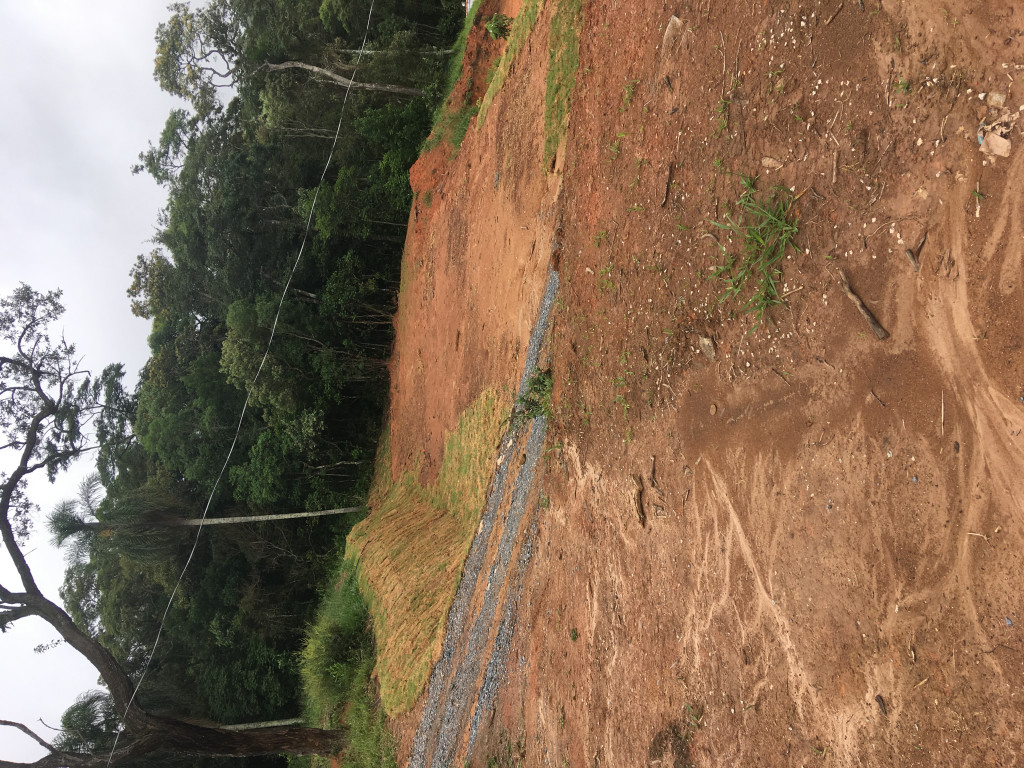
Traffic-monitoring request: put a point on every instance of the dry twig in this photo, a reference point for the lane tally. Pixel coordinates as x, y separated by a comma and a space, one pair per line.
876, 326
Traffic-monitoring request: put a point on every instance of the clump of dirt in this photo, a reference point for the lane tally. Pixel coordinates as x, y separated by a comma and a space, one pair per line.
827, 554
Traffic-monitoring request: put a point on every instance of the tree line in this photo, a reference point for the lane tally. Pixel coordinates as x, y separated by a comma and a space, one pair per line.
263, 84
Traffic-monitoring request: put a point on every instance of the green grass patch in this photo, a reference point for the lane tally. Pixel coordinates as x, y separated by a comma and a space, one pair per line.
563, 63
411, 547
455, 62
336, 665
451, 126
521, 28
452, 121
764, 230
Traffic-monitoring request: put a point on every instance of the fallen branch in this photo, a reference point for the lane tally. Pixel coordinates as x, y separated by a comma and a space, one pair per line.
876, 326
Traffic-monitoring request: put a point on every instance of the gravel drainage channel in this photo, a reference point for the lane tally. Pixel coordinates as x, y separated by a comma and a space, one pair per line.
472, 663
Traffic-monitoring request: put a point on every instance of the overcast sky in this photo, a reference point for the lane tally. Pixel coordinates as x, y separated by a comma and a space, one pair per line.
79, 104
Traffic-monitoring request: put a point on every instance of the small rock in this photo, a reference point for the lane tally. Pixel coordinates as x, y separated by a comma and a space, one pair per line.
994, 99
770, 163
994, 144
714, 409
707, 346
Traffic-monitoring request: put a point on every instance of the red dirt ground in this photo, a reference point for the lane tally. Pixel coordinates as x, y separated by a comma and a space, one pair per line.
830, 570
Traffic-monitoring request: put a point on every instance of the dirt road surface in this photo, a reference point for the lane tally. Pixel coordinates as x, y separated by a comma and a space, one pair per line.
795, 544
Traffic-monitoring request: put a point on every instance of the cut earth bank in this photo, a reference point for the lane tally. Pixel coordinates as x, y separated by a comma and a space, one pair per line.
783, 545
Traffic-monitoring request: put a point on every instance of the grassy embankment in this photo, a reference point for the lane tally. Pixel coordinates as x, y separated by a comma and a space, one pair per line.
398, 574
404, 560
522, 26
563, 62
410, 549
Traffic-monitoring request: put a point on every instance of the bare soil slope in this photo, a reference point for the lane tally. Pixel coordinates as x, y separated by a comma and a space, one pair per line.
778, 546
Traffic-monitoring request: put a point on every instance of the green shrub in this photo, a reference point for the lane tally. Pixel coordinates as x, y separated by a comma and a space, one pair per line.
536, 400
337, 665
338, 645
499, 26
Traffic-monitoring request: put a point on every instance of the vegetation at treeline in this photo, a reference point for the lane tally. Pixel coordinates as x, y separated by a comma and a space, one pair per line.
263, 83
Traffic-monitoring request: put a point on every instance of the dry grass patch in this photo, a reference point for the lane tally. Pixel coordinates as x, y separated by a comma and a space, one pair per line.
410, 549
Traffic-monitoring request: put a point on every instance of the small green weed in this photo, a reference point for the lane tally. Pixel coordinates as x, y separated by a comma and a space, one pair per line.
723, 117
574, 634
615, 147
627, 94
498, 26
764, 228
621, 400
536, 400
694, 717
507, 754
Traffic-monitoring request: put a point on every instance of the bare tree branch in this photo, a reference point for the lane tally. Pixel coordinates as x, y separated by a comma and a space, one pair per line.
29, 732
399, 90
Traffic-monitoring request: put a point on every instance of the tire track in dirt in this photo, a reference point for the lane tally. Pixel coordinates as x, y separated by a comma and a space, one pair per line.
719, 498
1009, 214
989, 414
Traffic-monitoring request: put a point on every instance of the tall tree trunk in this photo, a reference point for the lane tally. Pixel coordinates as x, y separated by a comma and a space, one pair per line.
264, 518
100, 526
182, 738
398, 90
